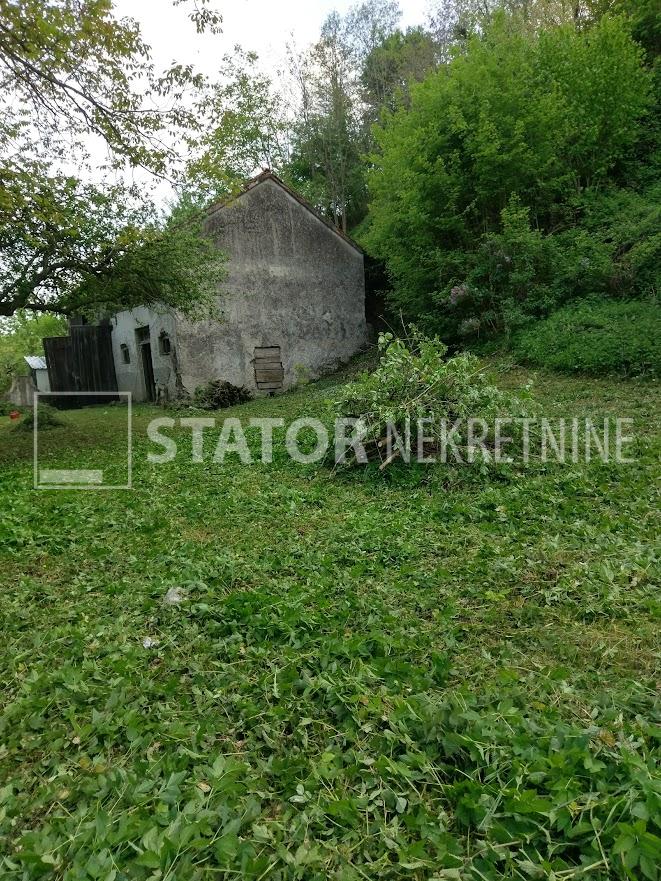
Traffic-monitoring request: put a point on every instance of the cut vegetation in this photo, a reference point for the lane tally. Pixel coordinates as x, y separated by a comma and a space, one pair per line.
279, 672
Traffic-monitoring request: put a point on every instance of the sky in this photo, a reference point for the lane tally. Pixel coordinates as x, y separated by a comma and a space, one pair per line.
263, 26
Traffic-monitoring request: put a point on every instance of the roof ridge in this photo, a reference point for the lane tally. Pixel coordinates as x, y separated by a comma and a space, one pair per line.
267, 174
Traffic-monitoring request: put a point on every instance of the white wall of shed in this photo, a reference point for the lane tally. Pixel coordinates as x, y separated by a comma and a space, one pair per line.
130, 377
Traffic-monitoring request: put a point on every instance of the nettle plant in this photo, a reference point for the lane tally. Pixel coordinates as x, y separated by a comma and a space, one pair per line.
435, 404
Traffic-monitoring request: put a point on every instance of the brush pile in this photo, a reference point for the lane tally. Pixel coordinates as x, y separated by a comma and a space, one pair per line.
418, 403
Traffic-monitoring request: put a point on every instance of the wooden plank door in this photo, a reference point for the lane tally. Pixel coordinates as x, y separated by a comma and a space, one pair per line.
269, 372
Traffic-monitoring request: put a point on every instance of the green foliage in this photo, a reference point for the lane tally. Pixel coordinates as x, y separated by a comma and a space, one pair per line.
6, 407
78, 248
363, 679
645, 24
47, 417
415, 381
626, 225
361, 66
22, 335
597, 337
170, 263
243, 130
73, 70
74, 73
519, 274
391, 67
479, 190
328, 138
217, 394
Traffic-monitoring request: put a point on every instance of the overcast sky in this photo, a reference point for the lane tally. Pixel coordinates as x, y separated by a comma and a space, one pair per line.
261, 26
264, 26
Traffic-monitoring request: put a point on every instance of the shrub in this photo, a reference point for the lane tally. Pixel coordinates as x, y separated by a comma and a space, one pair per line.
20, 335
518, 275
628, 223
596, 337
47, 417
415, 381
6, 407
218, 394
503, 181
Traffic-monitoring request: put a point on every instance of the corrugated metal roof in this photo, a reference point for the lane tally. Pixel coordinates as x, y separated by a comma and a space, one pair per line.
36, 362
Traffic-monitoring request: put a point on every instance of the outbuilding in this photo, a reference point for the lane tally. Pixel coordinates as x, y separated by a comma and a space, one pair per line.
292, 304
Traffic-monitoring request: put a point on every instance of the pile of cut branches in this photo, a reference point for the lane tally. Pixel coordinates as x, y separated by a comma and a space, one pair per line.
418, 404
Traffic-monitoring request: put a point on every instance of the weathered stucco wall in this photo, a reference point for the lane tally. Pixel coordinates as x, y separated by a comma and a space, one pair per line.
130, 377
21, 392
292, 282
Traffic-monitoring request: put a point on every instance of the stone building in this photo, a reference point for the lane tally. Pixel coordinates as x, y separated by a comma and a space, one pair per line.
292, 304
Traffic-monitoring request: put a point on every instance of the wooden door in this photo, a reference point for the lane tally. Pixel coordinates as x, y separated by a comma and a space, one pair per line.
269, 372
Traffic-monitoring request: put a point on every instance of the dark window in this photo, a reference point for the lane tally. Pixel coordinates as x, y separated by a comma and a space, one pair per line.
126, 355
164, 344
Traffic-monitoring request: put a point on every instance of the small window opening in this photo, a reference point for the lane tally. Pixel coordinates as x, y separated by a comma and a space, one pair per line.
126, 355
164, 344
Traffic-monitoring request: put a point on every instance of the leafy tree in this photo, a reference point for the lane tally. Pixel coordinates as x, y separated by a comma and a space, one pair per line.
498, 151
361, 66
72, 74
243, 129
328, 140
392, 66
337, 105
68, 247
369, 24
70, 69
454, 21
645, 25
22, 335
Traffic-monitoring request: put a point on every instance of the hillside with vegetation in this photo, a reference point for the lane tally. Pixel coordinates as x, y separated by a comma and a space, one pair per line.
499, 163
511, 185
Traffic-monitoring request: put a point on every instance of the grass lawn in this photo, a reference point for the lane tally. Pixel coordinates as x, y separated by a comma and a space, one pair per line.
427, 674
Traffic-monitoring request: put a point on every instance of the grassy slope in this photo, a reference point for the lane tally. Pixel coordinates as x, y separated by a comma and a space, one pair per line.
416, 676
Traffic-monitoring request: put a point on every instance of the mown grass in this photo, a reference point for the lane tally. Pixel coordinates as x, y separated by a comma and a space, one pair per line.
422, 674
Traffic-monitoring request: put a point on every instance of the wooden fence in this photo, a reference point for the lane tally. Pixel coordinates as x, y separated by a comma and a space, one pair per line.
81, 362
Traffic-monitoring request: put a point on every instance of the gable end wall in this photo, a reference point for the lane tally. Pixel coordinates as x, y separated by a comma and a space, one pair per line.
291, 282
